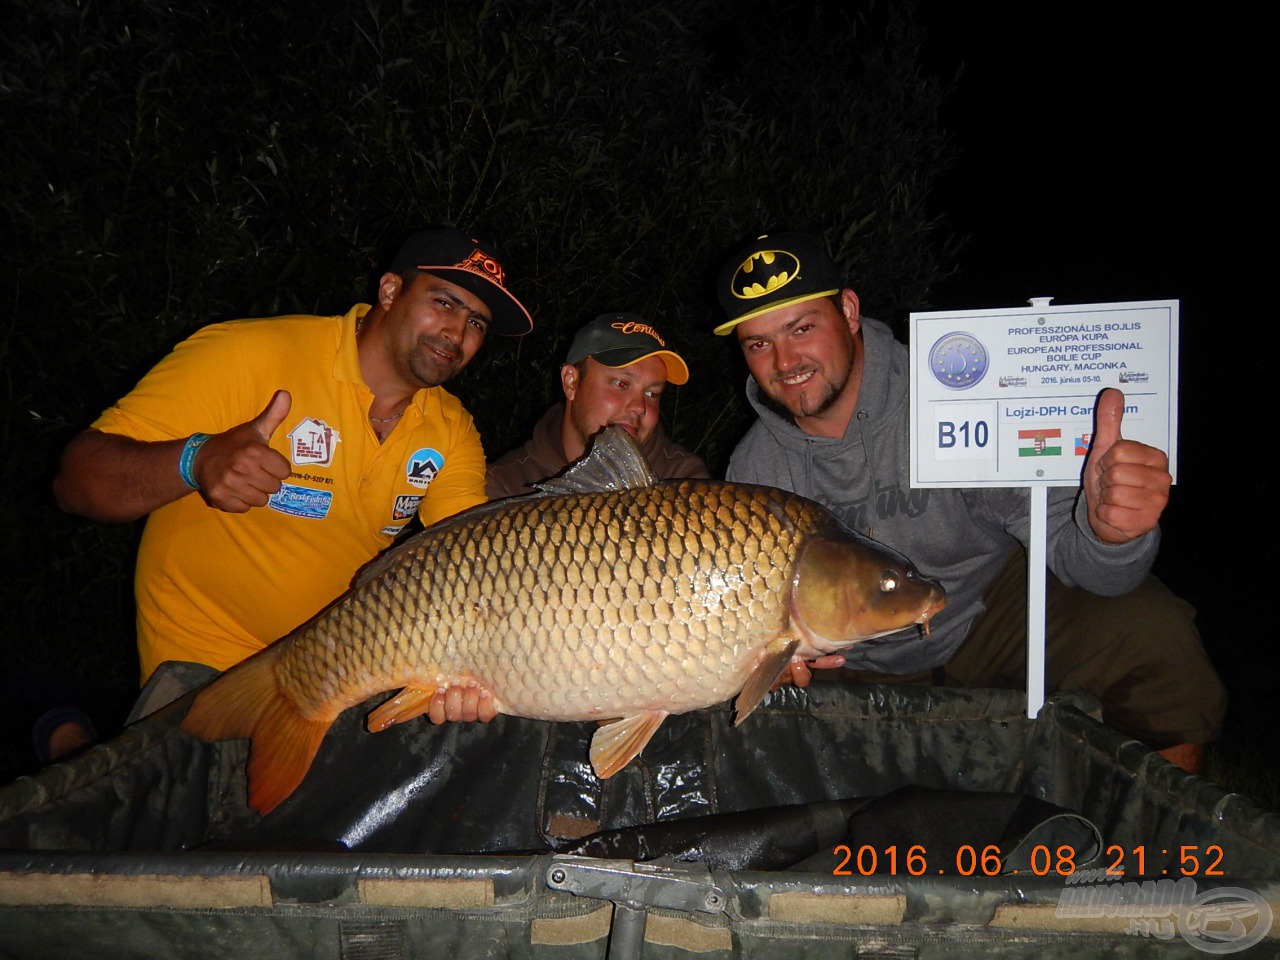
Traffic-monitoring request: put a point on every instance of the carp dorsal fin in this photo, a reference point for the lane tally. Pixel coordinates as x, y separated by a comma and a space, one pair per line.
614, 463
761, 680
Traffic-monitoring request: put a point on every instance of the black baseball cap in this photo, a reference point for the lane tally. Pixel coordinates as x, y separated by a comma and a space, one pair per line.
772, 271
621, 339
470, 263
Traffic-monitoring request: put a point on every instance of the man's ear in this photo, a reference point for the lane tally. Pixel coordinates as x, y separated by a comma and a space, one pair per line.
569, 380
851, 309
389, 288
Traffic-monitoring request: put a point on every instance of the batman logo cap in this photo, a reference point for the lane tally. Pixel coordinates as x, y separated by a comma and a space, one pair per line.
772, 271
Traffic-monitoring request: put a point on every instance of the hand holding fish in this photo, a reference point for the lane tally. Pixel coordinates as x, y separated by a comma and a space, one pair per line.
237, 469
800, 671
467, 702
1126, 483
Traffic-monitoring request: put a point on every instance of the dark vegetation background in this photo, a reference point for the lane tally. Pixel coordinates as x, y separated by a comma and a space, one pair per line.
171, 165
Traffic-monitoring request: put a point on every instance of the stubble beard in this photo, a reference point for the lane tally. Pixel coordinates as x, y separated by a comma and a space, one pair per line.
825, 402
428, 368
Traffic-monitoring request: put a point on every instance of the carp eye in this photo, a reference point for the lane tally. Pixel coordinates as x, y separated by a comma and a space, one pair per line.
888, 581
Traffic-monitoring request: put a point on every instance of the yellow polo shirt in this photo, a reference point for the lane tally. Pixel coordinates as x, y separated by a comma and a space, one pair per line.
215, 587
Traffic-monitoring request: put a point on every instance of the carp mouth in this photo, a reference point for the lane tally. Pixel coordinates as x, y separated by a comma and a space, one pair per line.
933, 608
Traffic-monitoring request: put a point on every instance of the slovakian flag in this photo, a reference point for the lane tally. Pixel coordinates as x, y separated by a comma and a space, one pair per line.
1083, 442
1039, 443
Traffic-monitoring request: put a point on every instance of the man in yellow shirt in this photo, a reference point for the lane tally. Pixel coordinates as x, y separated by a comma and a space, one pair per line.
276, 456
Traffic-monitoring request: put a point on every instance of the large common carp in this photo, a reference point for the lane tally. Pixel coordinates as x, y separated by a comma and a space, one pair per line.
609, 595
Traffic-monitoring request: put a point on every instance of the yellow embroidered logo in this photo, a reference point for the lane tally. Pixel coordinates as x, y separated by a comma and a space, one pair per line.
485, 266
764, 272
632, 327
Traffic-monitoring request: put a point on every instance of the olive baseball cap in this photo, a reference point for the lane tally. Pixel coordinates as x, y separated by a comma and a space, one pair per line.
470, 263
621, 339
772, 271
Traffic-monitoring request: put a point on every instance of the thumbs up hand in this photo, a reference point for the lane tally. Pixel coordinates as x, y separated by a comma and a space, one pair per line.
237, 469
1126, 483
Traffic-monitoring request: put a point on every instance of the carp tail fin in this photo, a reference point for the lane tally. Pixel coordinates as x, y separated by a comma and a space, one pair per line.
284, 745
246, 703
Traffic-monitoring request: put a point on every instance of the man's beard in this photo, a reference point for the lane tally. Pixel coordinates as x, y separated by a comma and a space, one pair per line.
825, 402
429, 369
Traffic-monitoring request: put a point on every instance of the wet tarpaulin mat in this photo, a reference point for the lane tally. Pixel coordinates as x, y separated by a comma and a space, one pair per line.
427, 841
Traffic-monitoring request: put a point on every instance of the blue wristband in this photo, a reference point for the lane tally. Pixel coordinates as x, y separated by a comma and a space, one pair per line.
188, 458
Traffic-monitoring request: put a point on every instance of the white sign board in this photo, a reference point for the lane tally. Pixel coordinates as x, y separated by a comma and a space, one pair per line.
1004, 398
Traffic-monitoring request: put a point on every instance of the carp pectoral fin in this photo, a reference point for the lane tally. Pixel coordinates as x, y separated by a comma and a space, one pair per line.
762, 678
615, 745
408, 703
246, 701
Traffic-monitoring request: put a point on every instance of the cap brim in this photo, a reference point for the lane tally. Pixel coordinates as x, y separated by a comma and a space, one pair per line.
510, 318
677, 369
728, 325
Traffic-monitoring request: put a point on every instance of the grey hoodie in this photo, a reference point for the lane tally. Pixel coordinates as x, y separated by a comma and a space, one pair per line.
961, 537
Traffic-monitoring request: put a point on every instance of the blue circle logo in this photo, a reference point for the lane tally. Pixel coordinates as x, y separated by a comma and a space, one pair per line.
423, 466
958, 361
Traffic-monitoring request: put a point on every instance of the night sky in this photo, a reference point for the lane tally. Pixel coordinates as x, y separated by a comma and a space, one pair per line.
1105, 161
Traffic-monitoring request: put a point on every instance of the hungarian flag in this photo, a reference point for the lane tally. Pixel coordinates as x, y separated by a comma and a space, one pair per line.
1039, 443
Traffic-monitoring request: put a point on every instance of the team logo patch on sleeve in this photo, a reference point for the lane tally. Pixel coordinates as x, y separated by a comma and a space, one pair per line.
301, 501
313, 442
406, 506
423, 466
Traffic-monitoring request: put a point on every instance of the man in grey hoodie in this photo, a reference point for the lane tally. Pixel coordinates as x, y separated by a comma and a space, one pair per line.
830, 388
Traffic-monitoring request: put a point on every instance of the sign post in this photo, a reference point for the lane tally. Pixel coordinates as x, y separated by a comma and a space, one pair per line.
1005, 398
